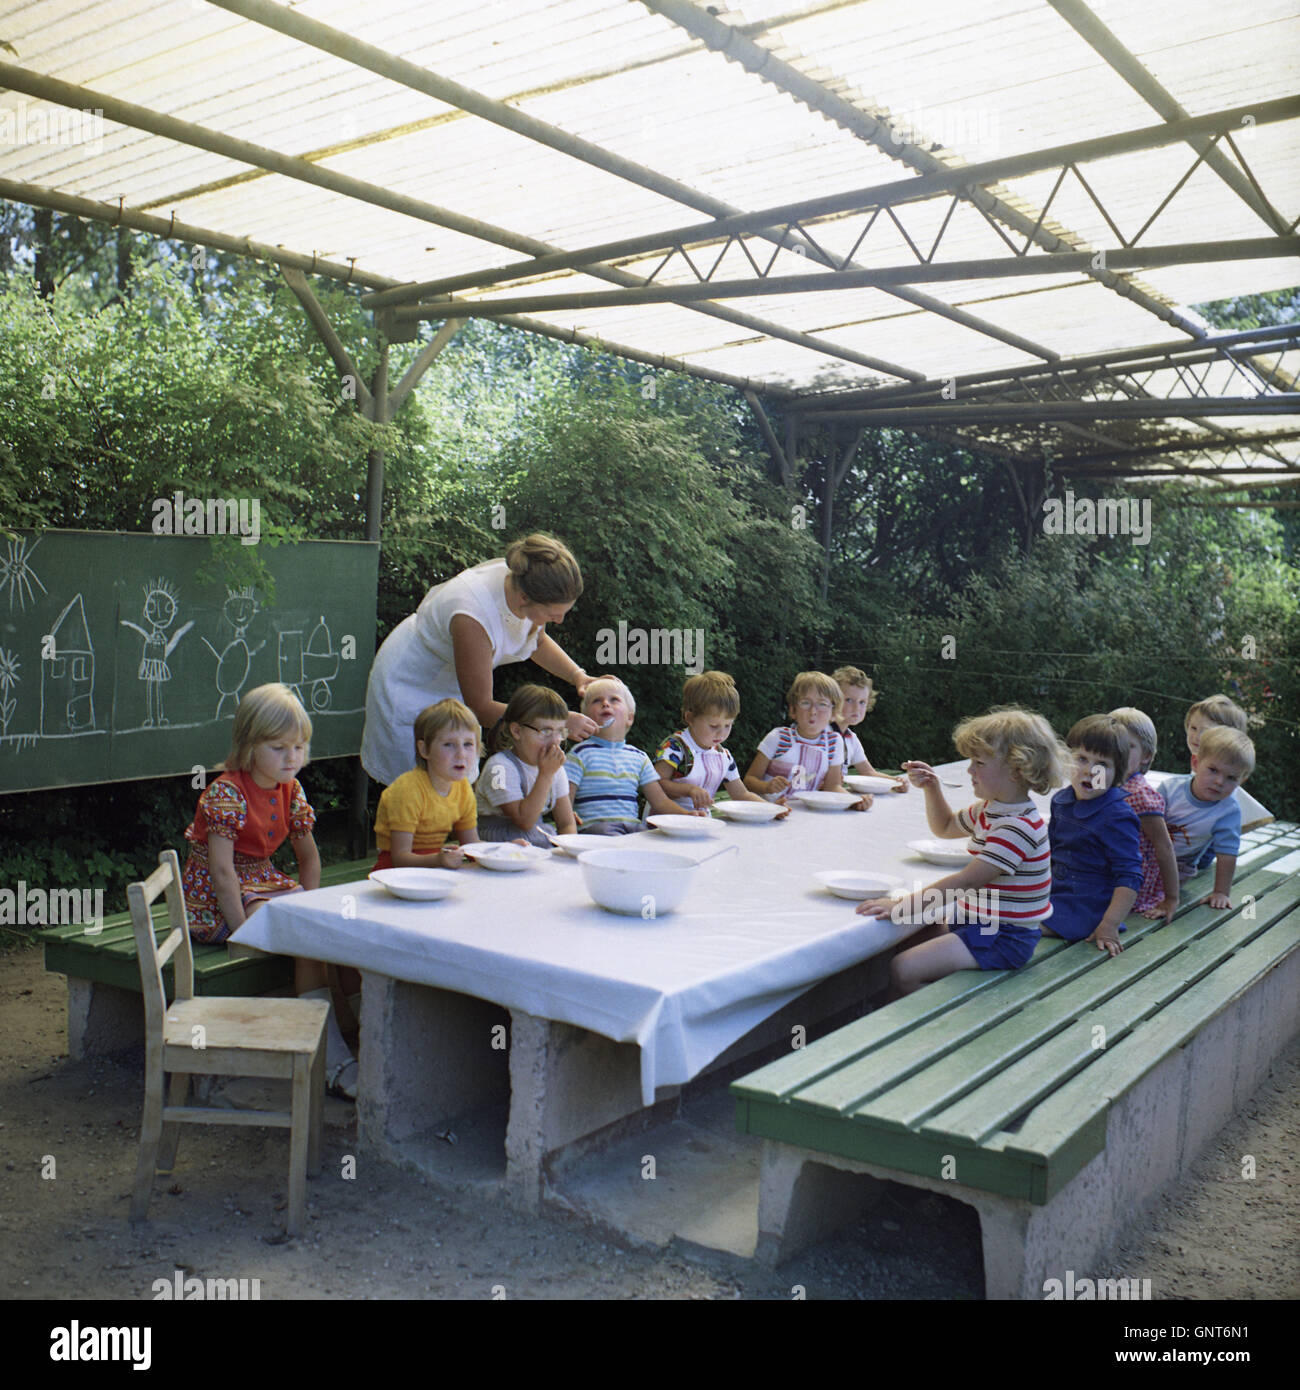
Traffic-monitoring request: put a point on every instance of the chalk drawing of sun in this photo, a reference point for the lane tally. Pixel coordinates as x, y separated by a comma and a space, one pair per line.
17, 574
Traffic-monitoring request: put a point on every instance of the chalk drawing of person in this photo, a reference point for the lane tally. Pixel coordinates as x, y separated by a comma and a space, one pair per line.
159, 613
240, 608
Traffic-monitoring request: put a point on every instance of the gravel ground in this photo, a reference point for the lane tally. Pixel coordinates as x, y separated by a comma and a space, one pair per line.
387, 1234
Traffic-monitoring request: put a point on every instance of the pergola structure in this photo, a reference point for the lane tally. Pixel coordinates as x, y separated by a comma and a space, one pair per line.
982, 221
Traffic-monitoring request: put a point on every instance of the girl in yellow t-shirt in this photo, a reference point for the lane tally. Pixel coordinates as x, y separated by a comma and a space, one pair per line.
422, 807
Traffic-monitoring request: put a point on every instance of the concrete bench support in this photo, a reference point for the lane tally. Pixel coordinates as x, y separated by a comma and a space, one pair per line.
102, 1018
1155, 1132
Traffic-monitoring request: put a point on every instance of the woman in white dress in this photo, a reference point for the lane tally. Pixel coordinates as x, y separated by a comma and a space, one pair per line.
449, 647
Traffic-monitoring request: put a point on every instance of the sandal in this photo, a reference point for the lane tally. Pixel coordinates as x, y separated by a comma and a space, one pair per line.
341, 1082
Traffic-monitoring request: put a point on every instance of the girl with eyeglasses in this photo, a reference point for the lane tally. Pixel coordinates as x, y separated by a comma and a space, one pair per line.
524, 780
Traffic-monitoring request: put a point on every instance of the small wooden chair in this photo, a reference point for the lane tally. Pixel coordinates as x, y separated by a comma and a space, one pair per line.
219, 1036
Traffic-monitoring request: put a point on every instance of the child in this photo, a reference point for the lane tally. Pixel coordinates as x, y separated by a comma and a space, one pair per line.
1203, 813
1158, 895
806, 755
1213, 711
1012, 751
859, 699
606, 772
419, 810
1206, 714
524, 779
242, 818
692, 764
1096, 859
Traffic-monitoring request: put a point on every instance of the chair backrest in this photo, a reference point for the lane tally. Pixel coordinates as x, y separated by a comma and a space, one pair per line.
166, 878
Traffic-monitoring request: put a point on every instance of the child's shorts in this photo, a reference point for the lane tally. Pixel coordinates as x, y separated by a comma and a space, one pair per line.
611, 827
496, 829
1008, 948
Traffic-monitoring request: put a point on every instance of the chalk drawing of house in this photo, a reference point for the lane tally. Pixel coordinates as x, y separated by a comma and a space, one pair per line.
68, 674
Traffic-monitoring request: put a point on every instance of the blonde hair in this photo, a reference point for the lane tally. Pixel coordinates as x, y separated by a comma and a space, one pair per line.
544, 569
708, 692
446, 714
1228, 745
1217, 709
1142, 727
527, 703
1021, 739
849, 676
815, 683
265, 713
608, 680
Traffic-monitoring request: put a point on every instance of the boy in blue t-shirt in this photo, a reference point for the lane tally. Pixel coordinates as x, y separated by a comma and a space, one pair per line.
1095, 838
1203, 812
606, 773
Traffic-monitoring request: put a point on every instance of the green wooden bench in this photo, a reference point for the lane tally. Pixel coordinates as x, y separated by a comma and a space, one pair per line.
1057, 1099
105, 1009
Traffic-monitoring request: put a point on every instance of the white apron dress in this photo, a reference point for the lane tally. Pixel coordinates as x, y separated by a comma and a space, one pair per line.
416, 665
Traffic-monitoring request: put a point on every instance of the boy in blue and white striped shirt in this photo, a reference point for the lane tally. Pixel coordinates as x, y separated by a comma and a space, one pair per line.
606, 773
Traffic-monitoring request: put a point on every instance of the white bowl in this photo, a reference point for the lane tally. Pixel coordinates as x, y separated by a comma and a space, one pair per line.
827, 801
579, 843
873, 785
686, 827
637, 882
941, 851
419, 885
854, 884
507, 857
748, 810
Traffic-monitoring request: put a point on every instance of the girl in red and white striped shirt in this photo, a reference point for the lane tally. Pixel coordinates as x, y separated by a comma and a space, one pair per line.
1010, 872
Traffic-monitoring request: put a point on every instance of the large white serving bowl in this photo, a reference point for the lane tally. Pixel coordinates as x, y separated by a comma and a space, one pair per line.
949, 852
637, 882
827, 801
420, 885
748, 810
506, 857
857, 885
686, 827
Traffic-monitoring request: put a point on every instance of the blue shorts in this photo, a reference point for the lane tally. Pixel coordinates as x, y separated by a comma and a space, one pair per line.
1008, 948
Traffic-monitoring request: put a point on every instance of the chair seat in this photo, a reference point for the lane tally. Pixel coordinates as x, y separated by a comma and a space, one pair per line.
255, 1025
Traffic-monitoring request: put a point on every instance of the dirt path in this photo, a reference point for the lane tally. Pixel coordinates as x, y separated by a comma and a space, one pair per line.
386, 1234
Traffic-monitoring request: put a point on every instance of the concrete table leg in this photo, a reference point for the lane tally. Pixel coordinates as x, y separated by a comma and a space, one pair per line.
565, 1084
427, 1056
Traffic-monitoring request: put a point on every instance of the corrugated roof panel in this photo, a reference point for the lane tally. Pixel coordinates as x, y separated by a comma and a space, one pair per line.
972, 82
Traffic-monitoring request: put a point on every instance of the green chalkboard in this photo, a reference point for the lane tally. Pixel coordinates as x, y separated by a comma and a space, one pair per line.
117, 662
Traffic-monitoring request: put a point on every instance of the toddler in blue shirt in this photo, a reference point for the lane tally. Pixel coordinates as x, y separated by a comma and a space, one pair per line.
1095, 838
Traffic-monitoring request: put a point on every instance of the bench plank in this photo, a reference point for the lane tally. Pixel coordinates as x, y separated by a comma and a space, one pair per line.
992, 1107
1046, 1135
989, 1070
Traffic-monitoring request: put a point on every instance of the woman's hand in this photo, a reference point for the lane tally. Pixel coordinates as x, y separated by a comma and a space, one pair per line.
580, 726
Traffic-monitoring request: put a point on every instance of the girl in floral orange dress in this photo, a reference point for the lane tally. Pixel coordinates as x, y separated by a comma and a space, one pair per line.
242, 818
247, 813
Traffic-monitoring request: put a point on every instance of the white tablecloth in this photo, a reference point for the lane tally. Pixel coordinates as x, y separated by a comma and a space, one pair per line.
755, 932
